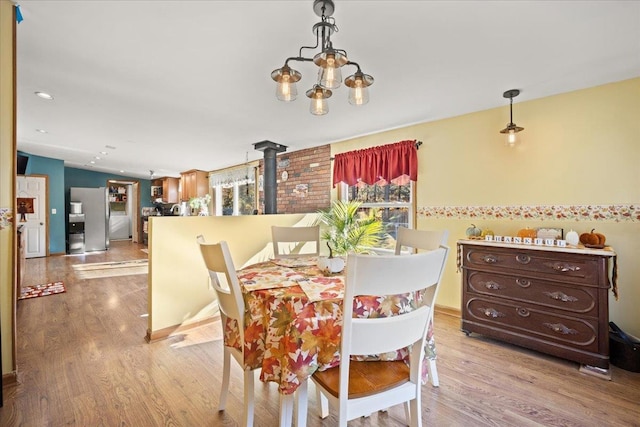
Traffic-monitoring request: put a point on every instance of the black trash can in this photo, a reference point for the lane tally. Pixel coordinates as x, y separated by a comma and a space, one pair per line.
624, 351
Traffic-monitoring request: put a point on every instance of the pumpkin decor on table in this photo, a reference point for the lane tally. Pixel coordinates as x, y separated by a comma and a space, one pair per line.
593, 239
487, 232
572, 238
473, 231
527, 232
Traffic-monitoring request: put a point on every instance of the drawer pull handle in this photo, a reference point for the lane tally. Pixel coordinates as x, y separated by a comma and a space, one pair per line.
523, 283
523, 259
560, 296
563, 268
491, 312
523, 312
560, 328
492, 285
490, 259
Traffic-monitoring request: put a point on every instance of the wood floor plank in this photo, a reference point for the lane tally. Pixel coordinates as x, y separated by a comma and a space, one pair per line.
83, 361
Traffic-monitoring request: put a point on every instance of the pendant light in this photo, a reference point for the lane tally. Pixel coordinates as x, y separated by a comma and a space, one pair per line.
329, 61
511, 130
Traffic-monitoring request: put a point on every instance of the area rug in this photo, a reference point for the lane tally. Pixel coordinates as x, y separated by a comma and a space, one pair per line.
110, 269
42, 290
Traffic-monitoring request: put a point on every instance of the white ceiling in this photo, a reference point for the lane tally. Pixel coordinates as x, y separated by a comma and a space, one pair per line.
178, 85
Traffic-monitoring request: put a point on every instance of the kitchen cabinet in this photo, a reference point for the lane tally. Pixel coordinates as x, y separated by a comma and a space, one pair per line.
167, 187
549, 299
194, 183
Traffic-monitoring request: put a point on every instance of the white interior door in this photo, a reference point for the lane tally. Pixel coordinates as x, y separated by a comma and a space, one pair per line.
36, 224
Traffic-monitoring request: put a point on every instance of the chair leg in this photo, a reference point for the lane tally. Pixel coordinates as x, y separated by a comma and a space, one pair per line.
226, 368
248, 398
407, 413
286, 410
301, 401
323, 402
433, 373
415, 418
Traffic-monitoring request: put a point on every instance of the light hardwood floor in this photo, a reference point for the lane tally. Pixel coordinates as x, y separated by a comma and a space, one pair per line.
83, 361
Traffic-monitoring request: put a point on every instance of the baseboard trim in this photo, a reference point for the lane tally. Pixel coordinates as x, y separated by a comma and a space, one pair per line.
164, 333
10, 379
448, 311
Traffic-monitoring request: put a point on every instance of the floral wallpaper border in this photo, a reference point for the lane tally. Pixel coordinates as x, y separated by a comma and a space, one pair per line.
6, 218
607, 213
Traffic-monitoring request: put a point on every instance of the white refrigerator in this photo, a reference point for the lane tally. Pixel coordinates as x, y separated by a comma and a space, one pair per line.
95, 207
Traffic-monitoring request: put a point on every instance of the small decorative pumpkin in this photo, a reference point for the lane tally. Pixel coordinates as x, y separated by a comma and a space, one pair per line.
593, 238
572, 238
473, 231
487, 232
527, 232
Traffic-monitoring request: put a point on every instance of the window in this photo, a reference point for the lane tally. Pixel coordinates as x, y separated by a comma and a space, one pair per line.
392, 201
381, 178
234, 191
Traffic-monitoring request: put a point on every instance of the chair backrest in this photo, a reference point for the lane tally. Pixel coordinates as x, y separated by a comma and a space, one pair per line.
426, 240
294, 239
420, 239
383, 275
222, 272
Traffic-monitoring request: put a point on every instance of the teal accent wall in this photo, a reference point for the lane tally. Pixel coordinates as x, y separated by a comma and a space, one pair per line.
60, 180
54, 169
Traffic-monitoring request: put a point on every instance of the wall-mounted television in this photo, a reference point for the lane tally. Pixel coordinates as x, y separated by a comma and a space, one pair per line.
21, 166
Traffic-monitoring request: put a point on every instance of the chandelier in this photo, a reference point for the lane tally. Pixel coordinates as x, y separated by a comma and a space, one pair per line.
330, 60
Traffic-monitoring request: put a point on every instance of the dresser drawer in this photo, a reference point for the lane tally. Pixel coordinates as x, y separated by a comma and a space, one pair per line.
533, 322
567, 267
579, 300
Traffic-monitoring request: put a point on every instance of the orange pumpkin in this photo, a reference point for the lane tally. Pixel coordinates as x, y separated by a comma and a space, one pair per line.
527, 232
593, 238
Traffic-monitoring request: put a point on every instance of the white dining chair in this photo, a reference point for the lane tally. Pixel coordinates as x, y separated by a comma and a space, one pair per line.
291, 242
358, 388
218, 260
423, 240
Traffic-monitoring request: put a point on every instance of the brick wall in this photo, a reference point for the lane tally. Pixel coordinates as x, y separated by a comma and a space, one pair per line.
307, 187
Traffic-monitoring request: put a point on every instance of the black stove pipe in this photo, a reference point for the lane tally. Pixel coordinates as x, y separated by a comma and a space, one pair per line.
270, 184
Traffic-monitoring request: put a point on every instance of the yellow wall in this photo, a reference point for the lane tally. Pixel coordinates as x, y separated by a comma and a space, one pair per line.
581, 148
7, 171
179, 291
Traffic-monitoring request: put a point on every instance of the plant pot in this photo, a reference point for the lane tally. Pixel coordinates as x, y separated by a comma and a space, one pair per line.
331, 265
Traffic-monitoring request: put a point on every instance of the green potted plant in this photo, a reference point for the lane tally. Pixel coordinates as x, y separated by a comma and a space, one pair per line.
346, 230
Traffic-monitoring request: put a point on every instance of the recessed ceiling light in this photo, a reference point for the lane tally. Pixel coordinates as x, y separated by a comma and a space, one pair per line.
97, 157
121, 171
93, 162
110, 147
104, 153
44, 95
41, 130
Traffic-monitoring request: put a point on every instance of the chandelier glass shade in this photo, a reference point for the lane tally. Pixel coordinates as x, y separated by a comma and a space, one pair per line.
512, 129
329, 62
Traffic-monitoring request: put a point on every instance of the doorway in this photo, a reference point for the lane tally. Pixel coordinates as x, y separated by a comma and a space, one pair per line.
32, 213
124, 203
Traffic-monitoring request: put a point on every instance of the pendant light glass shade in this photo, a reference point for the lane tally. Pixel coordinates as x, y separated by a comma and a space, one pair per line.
358, 88
286, 90
319, 105
329, 61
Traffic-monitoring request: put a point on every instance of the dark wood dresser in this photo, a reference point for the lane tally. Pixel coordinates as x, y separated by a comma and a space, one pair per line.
546, 298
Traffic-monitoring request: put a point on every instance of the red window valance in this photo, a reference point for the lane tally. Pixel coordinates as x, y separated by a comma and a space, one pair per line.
374, 164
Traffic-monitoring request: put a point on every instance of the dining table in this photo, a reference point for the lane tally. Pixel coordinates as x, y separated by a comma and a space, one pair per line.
293, 319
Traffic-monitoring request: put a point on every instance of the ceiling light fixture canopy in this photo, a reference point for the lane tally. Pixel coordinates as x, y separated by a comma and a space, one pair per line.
329, 61
511, 130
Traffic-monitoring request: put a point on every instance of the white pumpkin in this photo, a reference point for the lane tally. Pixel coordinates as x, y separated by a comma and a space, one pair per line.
331, 265
572, 238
